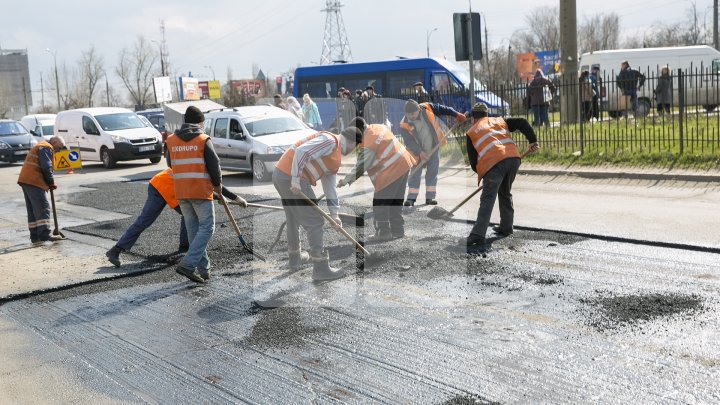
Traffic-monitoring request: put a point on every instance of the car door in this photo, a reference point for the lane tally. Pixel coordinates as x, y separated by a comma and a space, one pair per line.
218, 133
238, 145
90, 140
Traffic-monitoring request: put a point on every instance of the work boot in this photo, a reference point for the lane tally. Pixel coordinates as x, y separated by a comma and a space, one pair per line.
409, 203
205, 274
183, 248
472, 240
322, 270
190, 274
397, 231
382, 233
113, 255
431, 201
298, 259
501, 231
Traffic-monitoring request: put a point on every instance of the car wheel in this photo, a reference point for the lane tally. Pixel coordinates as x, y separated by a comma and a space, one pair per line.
710, 108
258, 169
107, 159
643, 108
155, 160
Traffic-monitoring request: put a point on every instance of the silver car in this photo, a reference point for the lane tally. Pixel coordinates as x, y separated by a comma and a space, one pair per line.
252, 138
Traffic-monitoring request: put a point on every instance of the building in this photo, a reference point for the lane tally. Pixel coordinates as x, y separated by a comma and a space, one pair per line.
14, 75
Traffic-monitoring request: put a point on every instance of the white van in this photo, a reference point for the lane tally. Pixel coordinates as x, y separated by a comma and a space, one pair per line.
109, 135
40, 124
700, 64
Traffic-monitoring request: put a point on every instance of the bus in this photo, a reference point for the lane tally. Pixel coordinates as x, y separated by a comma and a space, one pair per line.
446, 83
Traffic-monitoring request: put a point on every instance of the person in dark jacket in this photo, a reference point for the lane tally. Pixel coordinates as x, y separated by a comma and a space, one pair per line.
629, 81
375, 109
663, 91
538, 91
597, 86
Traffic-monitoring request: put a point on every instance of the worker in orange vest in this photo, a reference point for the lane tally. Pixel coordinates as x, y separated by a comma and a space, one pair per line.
36, 178
388, 163
161, 192
494, 156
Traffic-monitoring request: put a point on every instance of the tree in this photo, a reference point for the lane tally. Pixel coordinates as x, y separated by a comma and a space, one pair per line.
136, 68
92, 69
601, 31
694, 30
542, 32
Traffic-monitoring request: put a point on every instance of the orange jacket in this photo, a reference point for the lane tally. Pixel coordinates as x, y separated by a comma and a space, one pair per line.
31, 173
192, 181
315, 168
491, 138
164, 183
433, 121
392, 160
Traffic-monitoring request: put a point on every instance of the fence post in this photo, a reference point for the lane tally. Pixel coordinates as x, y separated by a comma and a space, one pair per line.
681, 108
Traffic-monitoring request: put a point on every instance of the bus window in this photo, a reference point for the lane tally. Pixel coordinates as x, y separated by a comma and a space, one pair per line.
319, 89
443, 83
401, 83
353, 84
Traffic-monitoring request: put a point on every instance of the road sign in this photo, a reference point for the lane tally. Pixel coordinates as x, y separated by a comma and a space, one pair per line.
67, 159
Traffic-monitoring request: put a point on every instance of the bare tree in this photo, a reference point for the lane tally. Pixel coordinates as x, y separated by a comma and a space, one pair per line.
600, 31
694, 30
136, 69
92, 69
542, 32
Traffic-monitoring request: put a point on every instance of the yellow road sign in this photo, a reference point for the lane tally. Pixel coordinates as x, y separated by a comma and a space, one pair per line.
67, 159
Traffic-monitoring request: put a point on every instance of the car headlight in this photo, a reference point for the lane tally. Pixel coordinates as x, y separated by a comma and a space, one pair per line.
4, 145
119, 139
33, 141
275, 149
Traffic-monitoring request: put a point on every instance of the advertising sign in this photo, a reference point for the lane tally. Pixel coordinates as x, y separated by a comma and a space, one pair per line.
254, 88
67, 159
163, 91
528, 63
189, 89
214, 89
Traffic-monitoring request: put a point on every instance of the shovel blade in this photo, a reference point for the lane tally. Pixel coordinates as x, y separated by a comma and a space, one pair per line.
438, 213
249, 250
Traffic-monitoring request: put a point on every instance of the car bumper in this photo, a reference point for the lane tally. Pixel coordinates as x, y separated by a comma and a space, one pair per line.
128, 151
13, 155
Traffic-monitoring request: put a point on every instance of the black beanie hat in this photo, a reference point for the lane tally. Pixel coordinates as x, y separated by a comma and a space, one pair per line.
352, 134
411, 106
193, 115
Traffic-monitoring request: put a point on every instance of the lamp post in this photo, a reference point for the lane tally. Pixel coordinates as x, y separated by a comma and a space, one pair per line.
57, 79
211, 69
427, 42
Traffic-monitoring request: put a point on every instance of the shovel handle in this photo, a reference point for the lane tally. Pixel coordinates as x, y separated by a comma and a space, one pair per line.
332, 221
230, 215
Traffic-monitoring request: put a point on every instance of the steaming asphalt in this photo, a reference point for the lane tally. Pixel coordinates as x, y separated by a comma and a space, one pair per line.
546, 317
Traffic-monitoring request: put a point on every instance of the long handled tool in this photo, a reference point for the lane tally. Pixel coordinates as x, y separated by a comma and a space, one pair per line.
345, 218
56, 231
434, 149
440, 213
332, 221
237, 229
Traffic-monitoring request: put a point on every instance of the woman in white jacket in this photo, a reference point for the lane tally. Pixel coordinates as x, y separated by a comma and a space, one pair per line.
311, 115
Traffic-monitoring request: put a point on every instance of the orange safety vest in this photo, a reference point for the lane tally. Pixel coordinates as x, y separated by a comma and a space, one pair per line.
392, 160
434, 122
315, 168
192, 181
164, 183
491, 139
31, 173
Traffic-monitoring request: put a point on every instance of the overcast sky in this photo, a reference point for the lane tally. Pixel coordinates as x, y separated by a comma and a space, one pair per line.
276, 34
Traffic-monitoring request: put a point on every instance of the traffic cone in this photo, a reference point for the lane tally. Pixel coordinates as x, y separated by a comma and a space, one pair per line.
70, 171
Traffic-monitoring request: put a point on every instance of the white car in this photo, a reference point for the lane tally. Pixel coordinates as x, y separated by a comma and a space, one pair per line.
40, 124
253, 138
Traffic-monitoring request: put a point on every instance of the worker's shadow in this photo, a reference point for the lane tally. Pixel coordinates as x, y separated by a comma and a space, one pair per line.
489, 246
153, 262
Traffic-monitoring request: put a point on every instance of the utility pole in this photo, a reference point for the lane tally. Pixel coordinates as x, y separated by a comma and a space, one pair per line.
107, 90
57, 79
715, 24
335, 43
568, 62
470, 55
427, 42
25, 95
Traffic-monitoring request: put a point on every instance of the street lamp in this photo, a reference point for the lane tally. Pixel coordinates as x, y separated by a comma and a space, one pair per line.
211, 69
57, 79
428, 40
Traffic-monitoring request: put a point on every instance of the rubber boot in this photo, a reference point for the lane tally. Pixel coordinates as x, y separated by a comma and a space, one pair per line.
298, 259
397, 231
382, 232
113, 255
322, 270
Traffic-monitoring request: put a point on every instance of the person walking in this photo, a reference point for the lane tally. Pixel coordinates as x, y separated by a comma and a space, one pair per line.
540, 91
196, 169
629, 81
311, 115
387, 162
664, 91
160, 192
315, 158
421, 132
294, 107
586, 96
36, 178
493, 155
597, 88
421, 95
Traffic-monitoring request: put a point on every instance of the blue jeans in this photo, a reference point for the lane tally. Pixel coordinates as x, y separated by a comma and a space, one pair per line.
38, 210
431, 173
540, 115
200, 221
154, 205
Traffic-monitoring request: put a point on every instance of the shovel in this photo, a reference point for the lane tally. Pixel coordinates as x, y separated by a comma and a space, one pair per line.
56, 231
237, 229
347, 219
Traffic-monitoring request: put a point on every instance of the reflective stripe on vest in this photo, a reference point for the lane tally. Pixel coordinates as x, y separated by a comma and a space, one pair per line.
164, 183
492, 141
191, 178
315, 167
435, 123
392, 160
31, 173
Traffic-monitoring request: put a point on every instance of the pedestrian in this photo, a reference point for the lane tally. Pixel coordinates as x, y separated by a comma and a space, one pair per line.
344, 112
493, 155
597, 88
278, 100
421, 132
421, 95
359, 102
36, 178
315, 158
311, 115
664, 91
374, 111
629, 81
540, 91
294, 107
586, 96
196, 169
387, 162
160, 192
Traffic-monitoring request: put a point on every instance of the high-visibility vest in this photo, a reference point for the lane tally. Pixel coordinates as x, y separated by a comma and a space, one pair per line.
164, 183
491, 138
31, 173
315, 168
192, 181
435, 123
392, 160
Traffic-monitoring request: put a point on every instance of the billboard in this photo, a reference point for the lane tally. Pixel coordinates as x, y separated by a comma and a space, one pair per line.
189, 89
254, 88
528, 63
163, 91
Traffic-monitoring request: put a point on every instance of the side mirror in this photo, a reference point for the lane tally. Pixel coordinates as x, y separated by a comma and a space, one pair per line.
32, 131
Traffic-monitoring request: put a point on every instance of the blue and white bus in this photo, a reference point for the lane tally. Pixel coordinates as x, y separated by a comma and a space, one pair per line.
446, 83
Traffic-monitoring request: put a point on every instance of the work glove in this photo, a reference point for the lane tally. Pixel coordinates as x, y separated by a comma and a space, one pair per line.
53, 187
338, 222
241, 202
460, 117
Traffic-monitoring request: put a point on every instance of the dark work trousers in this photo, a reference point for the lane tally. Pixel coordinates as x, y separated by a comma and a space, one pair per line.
299, 213
497, 182
431, 178
38, 210
387, 205
154, 204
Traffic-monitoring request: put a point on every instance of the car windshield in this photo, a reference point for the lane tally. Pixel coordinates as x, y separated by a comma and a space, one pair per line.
11, 128
48, 129
273, 125
119, 121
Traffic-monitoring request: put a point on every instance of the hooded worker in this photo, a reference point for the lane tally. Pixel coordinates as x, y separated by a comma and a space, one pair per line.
387, 162
315, 158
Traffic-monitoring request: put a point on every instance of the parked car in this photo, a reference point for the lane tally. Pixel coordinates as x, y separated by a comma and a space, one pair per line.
41, 124
15, 141
109, 135
157, 119
253, 138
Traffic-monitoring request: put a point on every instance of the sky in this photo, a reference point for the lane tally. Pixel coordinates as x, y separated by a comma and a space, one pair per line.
277, 35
